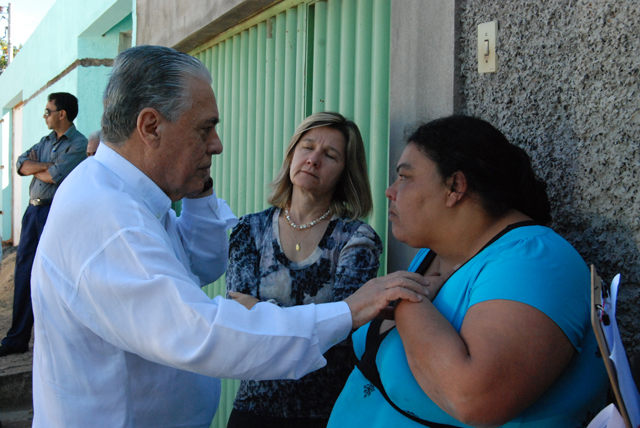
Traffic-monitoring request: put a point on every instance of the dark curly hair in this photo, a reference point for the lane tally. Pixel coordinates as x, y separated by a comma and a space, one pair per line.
498, 172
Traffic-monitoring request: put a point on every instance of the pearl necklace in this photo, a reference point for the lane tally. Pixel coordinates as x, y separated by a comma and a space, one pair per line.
306, 225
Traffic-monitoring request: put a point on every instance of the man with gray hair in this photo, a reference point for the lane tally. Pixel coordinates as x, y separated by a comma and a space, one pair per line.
125, 335
94, 142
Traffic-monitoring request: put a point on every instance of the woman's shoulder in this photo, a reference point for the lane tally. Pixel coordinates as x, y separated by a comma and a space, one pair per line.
355, 229
532, 254
536, 266
352, 226
536, 241
254, 224
259, 220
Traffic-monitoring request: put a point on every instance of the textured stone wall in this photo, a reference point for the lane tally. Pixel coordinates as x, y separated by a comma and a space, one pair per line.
567, 90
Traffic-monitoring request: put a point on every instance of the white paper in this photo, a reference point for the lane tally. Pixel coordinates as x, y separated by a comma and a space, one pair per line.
609, 417
628, 389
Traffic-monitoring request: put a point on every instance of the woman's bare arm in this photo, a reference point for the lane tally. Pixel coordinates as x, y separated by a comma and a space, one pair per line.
506, 356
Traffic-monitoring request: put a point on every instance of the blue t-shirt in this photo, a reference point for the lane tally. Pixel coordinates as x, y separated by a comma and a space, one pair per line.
530, 264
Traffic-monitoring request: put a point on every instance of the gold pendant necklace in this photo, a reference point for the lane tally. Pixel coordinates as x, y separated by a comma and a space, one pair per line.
295, 238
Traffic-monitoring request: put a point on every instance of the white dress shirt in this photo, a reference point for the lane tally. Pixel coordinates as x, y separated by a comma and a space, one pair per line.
124, 336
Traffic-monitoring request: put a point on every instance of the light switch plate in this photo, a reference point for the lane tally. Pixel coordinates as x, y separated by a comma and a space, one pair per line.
487, 34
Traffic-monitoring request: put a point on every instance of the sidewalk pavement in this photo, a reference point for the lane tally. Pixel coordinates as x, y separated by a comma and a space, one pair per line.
16, 409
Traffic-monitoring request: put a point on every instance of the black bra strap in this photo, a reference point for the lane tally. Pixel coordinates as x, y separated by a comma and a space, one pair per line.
507, 230
369, 369
426, 262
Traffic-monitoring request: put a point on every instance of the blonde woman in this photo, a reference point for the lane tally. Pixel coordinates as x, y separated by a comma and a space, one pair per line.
309, 247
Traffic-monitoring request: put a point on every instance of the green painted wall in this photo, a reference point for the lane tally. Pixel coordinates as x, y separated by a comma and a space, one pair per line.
72, 30
5, 182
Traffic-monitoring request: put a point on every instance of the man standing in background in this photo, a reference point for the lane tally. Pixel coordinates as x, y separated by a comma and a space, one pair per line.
49, 161
94, 142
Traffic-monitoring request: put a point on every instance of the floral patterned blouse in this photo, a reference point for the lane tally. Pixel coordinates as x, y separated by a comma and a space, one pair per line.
346, 257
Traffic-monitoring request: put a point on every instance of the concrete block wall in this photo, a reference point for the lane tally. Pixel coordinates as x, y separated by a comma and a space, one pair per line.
567, 90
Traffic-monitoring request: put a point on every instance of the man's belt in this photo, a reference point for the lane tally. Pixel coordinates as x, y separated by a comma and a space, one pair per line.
39, 202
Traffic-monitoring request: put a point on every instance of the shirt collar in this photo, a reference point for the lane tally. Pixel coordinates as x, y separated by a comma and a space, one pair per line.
69, 133
135, 181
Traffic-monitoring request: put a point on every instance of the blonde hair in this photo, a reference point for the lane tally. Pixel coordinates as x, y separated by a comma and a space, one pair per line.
352, 195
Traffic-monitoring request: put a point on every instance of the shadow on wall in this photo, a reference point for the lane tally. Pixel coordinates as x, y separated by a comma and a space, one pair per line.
611, 247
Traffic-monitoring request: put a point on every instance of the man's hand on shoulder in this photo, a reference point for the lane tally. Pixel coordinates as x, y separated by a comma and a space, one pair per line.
376, 295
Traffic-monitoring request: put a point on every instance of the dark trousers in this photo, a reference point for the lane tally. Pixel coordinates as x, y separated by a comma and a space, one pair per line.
22, 321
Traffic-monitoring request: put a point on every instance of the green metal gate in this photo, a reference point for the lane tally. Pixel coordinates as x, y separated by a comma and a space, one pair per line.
270, 72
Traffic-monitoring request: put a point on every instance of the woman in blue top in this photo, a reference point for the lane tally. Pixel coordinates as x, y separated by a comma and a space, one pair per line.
507, 340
